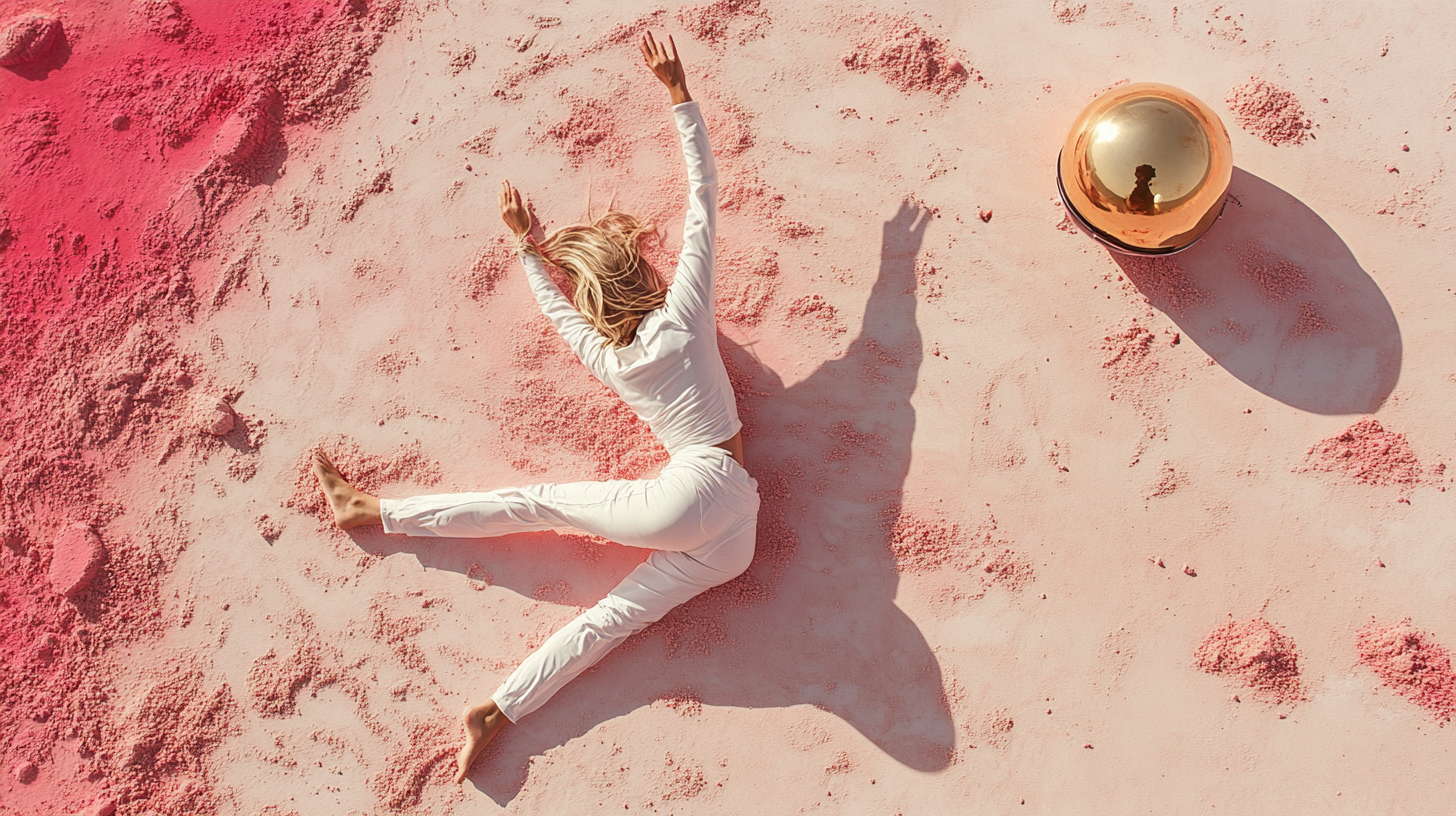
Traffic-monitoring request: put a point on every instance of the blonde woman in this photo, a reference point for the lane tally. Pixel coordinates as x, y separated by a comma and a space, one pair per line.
656, 346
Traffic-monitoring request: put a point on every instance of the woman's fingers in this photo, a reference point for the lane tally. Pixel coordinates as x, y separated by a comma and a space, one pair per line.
671, 50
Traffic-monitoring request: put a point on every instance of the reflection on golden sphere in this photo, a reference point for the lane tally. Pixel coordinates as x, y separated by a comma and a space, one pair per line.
1145, 169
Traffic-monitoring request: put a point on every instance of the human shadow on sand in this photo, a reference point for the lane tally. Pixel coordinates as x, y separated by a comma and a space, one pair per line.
813, 622
1274, 296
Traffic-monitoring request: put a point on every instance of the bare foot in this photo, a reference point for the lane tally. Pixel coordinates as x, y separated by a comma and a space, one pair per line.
352, 507
482, 723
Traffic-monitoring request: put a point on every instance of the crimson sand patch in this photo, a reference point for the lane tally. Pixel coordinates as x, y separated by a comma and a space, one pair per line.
129, 130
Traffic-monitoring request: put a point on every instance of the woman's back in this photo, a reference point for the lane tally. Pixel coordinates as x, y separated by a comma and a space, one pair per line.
671, 374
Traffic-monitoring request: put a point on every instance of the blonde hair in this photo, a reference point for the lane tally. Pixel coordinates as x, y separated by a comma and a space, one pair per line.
615, 285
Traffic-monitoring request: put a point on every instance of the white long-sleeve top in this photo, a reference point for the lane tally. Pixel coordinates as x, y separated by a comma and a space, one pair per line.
672, 373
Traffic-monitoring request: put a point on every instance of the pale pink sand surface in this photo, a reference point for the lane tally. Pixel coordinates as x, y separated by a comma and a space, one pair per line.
234, 233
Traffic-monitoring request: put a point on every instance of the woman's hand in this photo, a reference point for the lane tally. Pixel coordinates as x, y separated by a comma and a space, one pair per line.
513, 211
662, 59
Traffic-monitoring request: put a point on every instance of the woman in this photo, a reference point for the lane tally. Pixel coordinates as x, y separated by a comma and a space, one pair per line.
657, 347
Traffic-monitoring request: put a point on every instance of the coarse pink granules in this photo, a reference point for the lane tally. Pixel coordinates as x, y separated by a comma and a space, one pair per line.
928, 279
1165, 283
1269, 112
1068, 12
399, 633
920, 544
571, 412
425, 759
1276, 276
1168, 481
684, 701
279, 674
589, 130
407, 464
905, 56
852, 443
996, 728
1255, 653
381, 181
682, 779
1008, 569
1128, 355
1368, 454
814, 311
175, 720
747, 281
711, 22
1310, 323
538, 65
1412, 663
491, 263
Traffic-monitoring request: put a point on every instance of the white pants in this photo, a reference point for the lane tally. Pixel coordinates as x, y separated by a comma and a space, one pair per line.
699, 516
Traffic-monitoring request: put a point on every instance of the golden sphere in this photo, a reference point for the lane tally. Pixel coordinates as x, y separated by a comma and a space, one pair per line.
1145, 169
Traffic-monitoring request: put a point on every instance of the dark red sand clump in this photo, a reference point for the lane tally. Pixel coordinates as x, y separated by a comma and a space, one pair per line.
906, 56
1256, 654
1366, 453
1412, 663
1269, 112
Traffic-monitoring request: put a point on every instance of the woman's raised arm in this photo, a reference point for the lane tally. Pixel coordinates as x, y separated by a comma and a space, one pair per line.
691, 293
584, 340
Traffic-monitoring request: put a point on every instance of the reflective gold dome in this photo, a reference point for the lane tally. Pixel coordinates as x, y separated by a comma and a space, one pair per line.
1145, 168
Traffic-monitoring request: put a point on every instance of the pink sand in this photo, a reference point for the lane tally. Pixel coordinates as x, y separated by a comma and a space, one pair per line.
1270, 112
231, 233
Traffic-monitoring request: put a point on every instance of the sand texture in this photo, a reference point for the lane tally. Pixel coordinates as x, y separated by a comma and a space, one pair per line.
1043, 530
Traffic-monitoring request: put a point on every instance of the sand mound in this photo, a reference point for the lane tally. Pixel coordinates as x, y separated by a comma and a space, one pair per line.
905, 56
1412, 663
1269, 112
1256, 654
711, 22
1366, 453
76, 560
29, 37
247, 129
